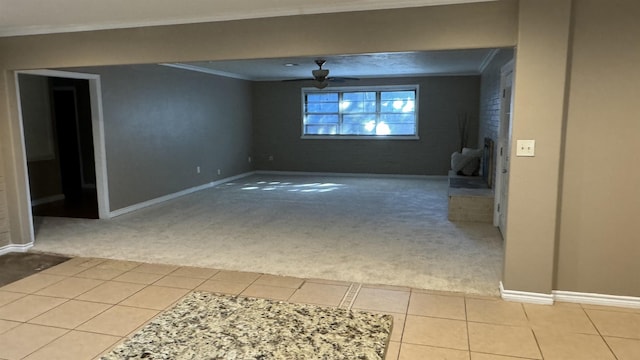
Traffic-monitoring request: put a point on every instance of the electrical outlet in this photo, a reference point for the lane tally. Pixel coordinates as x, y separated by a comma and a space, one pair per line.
249, 159
197, 169
526, 148
270, 157
219, 171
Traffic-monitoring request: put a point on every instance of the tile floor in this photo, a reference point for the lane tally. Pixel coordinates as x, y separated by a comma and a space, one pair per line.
83, 307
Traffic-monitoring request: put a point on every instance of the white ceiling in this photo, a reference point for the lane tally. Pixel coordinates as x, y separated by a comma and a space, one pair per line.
360, 65
26, 17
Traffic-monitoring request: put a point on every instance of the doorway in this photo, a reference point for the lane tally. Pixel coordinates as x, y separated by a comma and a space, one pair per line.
74, 193
63, 132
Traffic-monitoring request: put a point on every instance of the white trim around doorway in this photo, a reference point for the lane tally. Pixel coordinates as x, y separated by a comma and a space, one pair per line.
97, 122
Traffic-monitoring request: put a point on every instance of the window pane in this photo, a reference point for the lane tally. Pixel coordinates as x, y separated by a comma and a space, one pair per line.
395, 95
322, 103
358, 102
322, 119
322, 107
358, 119
358, 106
397, 101
402, 129
407, 118
356, 129
322, 97
397, 106
359, 96
321, 129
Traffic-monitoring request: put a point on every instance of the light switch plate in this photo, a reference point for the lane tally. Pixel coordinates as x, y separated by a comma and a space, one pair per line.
526, 148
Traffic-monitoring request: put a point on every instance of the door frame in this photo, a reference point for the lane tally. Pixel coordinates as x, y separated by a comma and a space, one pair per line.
99, 149
504, 144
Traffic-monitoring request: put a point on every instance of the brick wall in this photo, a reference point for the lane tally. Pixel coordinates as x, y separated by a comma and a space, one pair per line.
489, 119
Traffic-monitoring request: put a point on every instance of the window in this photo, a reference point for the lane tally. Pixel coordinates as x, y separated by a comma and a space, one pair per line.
360, 112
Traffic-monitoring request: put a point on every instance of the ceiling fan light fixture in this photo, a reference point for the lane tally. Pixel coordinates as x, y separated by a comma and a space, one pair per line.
321, 77
321, 84
320, 74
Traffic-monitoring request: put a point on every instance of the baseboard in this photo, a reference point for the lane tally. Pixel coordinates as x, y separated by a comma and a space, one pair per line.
370, 175
15, 248
175, 195
570, 297
48, 199
525, 297
597, 299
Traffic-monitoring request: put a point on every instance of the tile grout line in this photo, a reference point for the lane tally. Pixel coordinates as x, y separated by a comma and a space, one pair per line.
586, 313
535, 337
406, 316
75, 299
47, 344
466, 322
530, 326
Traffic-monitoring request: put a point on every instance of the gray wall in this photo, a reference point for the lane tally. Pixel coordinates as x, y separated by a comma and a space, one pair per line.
36, 117
277, 128
161, 123
39, 139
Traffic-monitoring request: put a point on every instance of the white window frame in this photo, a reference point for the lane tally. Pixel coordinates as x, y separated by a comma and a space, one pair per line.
413, 87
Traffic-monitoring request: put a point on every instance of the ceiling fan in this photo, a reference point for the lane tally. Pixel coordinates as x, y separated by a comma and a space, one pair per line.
321, 76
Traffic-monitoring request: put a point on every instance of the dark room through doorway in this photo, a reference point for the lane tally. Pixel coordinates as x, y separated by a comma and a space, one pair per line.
59, 145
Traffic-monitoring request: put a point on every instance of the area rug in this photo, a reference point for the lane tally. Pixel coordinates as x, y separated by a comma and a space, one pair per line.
211, 326
16, 266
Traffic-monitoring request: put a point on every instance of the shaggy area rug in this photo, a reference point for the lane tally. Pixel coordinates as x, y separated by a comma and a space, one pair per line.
211, 326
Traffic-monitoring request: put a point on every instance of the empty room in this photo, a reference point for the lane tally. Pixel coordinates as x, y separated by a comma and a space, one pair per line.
217, 171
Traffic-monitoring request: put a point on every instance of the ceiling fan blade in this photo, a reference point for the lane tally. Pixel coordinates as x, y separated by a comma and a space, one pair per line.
313, 82
341, 78
300, 79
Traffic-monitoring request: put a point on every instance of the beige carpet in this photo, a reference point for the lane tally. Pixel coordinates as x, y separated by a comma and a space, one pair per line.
370, 230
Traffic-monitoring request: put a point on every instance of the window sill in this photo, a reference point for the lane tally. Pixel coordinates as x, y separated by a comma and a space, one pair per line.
360, 137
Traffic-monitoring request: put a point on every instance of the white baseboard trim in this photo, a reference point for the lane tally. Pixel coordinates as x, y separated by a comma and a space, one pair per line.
175, 195
15, 248
46, 200
597, 299
369, 175
525, 297
570, 297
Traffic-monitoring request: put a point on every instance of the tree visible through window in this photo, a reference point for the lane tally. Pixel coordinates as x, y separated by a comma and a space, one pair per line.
372, 112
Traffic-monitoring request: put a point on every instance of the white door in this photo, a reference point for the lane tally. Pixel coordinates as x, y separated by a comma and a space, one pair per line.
504, 143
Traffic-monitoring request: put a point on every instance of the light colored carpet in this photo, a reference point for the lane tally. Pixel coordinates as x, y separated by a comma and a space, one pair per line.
210, 326
390, 231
